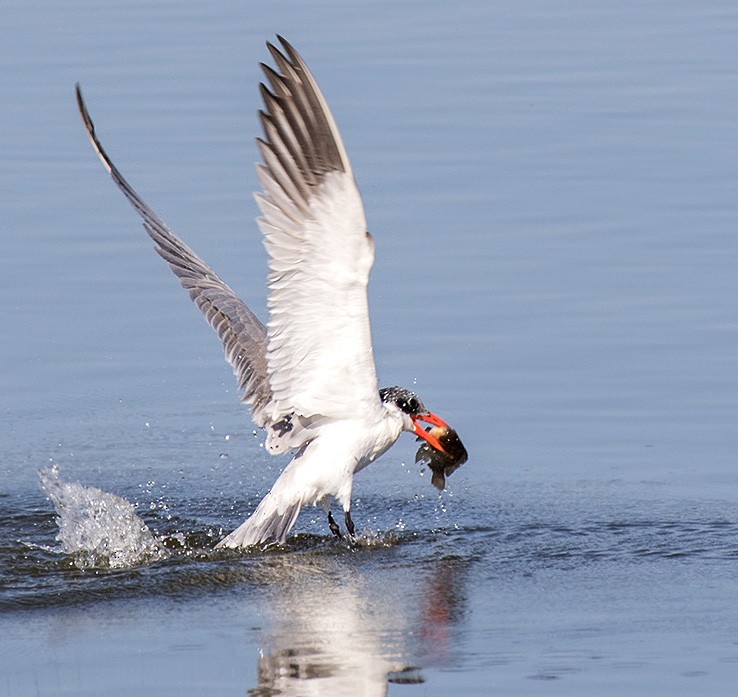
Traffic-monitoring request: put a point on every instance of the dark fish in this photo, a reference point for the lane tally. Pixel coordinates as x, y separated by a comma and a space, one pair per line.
442, 464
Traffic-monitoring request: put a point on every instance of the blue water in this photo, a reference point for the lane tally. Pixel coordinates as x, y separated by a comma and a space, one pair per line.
552, 189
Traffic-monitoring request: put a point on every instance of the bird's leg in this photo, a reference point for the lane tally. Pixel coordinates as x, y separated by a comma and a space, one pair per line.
334, 526
349, 525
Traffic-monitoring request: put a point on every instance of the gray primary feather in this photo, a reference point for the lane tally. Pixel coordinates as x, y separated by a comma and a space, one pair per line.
306, 111
301, 141
244, 337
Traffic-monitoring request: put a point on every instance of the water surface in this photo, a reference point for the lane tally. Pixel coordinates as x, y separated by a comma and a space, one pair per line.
552, 191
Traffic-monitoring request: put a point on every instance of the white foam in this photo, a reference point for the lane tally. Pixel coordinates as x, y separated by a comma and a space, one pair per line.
98, 529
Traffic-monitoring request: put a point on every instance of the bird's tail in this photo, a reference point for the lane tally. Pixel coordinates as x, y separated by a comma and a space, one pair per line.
271, 521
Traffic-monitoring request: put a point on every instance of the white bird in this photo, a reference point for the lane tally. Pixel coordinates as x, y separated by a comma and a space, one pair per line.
309, 375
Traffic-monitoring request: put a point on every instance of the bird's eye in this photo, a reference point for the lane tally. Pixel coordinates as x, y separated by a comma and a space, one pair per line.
413, 405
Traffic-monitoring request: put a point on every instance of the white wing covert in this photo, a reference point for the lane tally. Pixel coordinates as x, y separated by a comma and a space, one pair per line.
319, 354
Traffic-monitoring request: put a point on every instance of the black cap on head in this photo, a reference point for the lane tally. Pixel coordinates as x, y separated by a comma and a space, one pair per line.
404, 399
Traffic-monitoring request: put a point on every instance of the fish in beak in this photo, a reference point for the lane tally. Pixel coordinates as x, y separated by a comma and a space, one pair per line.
442, 449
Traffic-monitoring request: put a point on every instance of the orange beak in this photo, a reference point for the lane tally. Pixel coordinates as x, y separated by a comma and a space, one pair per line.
419, 431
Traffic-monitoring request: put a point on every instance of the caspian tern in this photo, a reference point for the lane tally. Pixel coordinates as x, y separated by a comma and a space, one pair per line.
308, 376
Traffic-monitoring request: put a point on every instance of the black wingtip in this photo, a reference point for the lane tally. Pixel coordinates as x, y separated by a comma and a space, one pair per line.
294, 57
287, 52
80, 100
82, 107
272, 47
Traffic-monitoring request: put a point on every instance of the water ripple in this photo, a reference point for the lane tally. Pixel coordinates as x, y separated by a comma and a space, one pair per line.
96, 547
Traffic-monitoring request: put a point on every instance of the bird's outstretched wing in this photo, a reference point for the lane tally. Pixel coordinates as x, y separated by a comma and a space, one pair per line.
244, 337
315, 362
319, 354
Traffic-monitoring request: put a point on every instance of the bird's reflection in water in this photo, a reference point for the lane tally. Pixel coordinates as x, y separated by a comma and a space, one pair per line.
442, 609
340, 629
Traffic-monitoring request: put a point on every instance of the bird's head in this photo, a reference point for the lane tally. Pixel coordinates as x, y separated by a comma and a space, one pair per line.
442, 449
412, 412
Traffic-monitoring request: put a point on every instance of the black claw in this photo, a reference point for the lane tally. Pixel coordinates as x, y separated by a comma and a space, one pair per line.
349, 525
334, 526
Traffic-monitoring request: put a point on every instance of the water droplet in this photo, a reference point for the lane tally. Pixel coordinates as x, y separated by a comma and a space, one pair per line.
97, 528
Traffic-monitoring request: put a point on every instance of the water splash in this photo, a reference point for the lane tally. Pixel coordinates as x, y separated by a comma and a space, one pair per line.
98, 529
